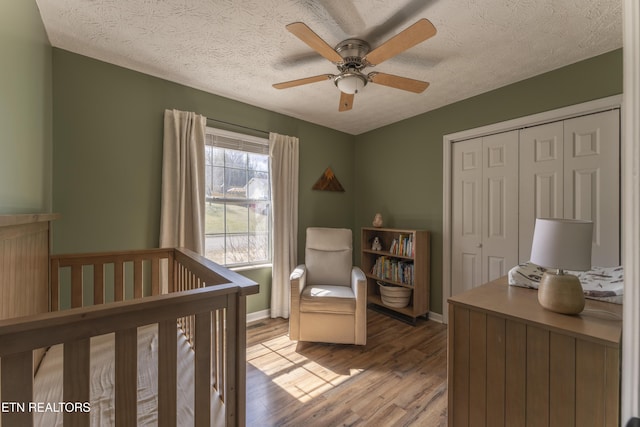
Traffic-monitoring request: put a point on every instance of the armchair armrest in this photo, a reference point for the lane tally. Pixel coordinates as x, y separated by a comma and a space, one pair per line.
297, 280
359, 286
358, 282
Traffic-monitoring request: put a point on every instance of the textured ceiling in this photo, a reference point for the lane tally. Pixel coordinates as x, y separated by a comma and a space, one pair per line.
239, 48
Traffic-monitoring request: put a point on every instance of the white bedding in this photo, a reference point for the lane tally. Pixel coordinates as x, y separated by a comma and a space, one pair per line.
599, 283
48, 381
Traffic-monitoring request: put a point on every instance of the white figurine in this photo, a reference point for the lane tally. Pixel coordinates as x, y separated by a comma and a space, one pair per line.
376, 245
377, 220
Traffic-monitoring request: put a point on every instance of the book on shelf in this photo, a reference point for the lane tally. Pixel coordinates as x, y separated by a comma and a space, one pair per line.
389, 268
394, 246
402, 246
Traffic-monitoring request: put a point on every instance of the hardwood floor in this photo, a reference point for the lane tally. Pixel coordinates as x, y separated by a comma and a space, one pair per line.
398, 379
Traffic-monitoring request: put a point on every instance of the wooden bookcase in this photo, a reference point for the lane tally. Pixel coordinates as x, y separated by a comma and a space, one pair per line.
418, 258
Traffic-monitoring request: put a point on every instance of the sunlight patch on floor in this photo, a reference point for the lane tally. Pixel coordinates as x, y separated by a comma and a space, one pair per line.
301, 377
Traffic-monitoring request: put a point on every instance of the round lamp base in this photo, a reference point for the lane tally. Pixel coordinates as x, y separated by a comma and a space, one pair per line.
561, 293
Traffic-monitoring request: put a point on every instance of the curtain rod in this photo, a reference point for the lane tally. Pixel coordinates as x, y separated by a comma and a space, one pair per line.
236, 125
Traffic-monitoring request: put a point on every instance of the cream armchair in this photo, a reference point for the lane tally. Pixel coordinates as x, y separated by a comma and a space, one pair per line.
328, 293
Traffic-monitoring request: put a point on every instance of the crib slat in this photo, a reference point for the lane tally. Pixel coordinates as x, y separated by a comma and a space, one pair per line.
155, 276
214, 352
126, 367
55, 285
76, 286
220, 354
76, 379
167, 373
179, 285
202, 370
238, 331
118, 281
171, 275
232, 374
98, 283
137, 279
17, 386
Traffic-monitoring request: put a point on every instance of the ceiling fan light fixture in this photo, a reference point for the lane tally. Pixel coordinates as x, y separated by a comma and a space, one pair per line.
350, 82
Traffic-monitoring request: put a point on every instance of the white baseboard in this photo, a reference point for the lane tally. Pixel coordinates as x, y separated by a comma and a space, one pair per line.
436, 317
258, 315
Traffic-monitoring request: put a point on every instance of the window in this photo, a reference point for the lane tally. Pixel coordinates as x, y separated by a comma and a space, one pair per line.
238, 199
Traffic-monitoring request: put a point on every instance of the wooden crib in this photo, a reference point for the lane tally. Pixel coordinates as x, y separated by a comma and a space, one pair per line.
117, 293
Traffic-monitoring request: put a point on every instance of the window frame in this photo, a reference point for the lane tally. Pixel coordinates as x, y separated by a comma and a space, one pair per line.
248, 144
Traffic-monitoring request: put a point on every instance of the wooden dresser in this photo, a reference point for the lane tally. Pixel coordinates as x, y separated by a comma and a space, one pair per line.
513, 363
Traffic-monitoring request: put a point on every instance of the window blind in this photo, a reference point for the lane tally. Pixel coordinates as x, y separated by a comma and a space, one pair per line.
236, 141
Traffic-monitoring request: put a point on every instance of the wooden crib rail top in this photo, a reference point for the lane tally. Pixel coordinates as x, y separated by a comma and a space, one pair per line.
30, 332
206, 269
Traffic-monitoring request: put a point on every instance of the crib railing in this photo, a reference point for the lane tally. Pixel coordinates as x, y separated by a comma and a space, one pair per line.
160, 286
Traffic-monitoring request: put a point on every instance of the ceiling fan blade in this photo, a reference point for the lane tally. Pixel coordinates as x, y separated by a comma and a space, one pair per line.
314, 41
397, 82
300, 82
346, 101
417, 33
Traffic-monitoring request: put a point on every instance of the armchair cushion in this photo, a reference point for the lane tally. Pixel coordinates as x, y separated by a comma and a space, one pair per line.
328, 256
330, 268
328, 299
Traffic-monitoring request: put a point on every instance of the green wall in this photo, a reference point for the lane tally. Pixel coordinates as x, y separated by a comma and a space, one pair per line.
25, 110
107, 157
399, 167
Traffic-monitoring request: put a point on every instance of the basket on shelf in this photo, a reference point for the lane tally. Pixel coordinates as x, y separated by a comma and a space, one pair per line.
393, 295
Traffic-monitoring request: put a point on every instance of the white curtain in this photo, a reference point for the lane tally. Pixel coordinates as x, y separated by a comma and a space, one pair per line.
183, 181
283, 152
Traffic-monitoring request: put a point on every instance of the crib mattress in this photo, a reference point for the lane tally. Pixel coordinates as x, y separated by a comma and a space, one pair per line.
48, 380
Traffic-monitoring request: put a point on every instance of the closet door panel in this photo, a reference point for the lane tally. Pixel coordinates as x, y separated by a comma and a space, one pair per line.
500, 204
591, 180
466, 245
541, 187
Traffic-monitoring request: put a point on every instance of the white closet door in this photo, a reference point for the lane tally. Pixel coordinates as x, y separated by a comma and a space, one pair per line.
591, 180
500, 205
541, 180
466, 244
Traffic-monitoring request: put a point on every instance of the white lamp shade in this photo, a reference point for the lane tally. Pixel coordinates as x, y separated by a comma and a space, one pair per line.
562, 243
350, 84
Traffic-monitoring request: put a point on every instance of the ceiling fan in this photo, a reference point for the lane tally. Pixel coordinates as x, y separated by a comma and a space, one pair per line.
352, 56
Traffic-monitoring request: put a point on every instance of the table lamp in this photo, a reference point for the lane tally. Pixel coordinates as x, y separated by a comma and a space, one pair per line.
562, 244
